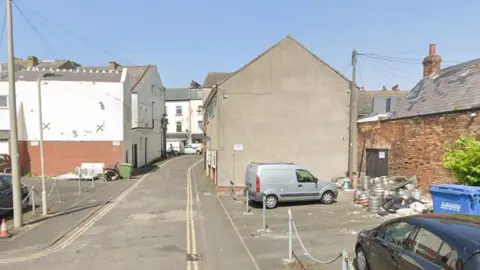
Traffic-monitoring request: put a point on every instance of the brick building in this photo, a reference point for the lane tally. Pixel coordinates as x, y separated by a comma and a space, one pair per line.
411, 141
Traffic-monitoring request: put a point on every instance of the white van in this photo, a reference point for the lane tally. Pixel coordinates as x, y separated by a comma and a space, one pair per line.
175, 148
286, 182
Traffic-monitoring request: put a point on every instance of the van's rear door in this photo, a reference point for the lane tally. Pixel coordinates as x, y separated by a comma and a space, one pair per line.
250, 177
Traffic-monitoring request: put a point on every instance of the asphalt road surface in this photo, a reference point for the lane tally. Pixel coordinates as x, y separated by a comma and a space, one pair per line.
168, 220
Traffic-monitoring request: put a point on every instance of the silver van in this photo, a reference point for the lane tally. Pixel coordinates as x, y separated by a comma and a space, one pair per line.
286, 182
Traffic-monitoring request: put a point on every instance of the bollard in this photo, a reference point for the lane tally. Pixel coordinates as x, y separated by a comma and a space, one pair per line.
290, 236
289, 260
247, 208
264, 214
32, 199
345, 259
58, 191
246, 201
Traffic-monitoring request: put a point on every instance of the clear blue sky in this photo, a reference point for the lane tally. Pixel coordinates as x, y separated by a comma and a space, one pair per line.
188, 38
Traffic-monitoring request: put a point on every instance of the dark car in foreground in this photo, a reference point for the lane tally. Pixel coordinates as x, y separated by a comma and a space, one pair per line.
426, 242
6, 194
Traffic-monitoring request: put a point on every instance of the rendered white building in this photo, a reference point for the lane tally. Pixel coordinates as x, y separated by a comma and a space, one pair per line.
93, 114
184, 114
86, 118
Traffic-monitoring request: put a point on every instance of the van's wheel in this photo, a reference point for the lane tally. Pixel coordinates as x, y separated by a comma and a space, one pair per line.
271, 201
327, 197
198, 152
176, 153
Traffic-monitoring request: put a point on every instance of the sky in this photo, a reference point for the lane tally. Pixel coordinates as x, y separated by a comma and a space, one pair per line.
186, 39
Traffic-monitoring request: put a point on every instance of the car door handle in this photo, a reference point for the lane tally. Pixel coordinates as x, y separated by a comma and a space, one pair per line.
300, 185
394, 255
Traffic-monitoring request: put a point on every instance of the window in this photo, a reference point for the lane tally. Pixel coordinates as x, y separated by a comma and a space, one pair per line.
5, 181
200, 125
179, 126
304, 176
433, 249
3, 101
396, 233
178, 110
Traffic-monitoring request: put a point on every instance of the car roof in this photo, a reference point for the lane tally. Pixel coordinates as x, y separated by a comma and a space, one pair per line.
273, 163
461, 225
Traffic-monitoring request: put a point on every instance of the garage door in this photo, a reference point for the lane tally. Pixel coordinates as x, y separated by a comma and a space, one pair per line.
4, 148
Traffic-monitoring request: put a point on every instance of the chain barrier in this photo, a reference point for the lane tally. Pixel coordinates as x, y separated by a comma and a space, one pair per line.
23, 201
350, 265
336, 257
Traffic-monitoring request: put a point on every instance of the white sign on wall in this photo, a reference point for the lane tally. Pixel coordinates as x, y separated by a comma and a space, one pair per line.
214, 159
238, 147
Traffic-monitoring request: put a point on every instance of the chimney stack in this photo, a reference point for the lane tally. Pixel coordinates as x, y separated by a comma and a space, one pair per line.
113, 65
431, 63
194, 85
32, 61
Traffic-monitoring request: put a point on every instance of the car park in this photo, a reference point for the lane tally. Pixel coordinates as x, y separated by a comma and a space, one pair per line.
286, 182
428, 241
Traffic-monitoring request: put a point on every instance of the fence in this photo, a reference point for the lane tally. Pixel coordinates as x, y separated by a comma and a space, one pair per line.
293, 234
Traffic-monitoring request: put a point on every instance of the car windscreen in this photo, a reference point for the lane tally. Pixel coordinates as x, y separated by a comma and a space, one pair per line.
6, 177
473, 263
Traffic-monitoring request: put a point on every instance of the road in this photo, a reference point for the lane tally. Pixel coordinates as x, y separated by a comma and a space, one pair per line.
165, 219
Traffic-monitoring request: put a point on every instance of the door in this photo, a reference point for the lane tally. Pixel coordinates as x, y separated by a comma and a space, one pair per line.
387, 247
146, 149
307, 189
377, 162
135, 156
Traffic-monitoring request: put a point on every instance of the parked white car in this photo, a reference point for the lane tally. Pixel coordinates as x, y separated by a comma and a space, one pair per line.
193, 149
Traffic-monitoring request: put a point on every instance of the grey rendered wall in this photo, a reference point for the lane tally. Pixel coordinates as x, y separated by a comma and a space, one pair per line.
286, 106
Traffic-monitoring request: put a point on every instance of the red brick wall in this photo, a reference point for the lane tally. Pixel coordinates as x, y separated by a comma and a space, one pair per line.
416, 145
64, 157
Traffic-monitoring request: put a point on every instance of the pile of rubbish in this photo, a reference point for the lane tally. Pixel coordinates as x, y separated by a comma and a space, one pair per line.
391, 195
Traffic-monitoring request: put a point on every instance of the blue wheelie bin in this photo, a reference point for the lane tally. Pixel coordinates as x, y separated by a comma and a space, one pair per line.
455, 199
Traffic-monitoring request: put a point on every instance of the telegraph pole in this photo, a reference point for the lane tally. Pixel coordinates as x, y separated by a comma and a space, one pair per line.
352, 138
17, 196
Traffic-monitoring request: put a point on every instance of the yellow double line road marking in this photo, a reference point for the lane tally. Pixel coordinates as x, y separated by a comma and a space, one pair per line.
190, 221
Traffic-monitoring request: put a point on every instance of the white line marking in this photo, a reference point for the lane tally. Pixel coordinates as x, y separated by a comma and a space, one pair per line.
187, 223
84, 227
238, 234
190, 219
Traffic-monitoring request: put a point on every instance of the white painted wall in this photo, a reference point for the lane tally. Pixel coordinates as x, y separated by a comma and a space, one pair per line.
197, 115
173, 118
148, 103
4, 147
72, 110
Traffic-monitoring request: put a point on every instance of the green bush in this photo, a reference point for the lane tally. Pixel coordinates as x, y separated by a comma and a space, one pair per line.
463, 158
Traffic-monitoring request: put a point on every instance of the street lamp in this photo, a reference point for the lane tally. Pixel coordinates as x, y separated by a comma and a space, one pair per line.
40, 124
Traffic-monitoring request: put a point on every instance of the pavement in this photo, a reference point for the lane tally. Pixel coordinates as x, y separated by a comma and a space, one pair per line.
147, 223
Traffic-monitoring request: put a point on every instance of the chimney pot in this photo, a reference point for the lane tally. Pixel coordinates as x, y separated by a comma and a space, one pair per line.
113, 65
32, 61
432, 49
431, 63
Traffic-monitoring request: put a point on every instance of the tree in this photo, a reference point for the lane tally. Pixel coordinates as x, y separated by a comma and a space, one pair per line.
463, 159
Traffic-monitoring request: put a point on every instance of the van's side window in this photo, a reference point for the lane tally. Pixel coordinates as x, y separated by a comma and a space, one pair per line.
304, 176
